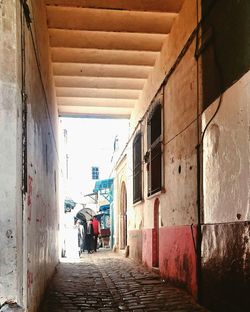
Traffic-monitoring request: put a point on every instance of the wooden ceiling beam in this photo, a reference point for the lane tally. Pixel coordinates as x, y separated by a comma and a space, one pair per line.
109, 20
97, 82
130, 5
95, 56
105, 40
97, 93
95, 102
100, 70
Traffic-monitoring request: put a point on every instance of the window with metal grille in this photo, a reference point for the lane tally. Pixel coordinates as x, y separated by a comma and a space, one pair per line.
153, 156
95, 173
137, 168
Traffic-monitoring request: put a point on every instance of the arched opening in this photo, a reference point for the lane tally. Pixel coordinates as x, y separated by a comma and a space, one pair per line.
123, 217
156, 234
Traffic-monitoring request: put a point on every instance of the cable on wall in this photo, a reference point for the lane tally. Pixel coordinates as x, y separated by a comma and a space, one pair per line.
24, 106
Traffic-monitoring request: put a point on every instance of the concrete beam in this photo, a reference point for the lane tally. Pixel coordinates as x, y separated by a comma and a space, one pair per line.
99, 70
95, 102
97, 82
105, 40
109, 20
130, 5
95, 56
103, 112
98, 93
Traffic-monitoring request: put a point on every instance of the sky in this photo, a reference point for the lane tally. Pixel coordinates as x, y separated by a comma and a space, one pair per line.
90, 143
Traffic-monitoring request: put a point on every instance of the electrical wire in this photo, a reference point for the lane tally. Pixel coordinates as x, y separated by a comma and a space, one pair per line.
24, 106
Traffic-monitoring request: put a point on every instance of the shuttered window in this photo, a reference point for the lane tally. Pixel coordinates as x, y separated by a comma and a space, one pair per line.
154, 154
137, 168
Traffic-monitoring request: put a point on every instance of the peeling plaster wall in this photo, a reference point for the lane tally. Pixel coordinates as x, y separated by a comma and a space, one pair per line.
10, 155
226, 240
226, 156
28, 237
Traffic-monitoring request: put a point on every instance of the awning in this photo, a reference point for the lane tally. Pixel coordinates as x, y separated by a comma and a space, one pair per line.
85, 214
103, 184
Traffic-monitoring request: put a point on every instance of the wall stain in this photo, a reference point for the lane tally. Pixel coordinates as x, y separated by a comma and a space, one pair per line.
30, 187
29, 279
9, 234
226, 267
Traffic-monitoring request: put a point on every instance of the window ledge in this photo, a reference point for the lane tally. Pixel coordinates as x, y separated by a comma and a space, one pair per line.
162, 191
139, 202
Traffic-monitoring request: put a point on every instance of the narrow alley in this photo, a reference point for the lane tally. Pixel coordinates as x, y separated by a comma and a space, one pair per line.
108, 282
173, 191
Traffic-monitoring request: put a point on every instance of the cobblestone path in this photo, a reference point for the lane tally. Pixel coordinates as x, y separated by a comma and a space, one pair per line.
107, 282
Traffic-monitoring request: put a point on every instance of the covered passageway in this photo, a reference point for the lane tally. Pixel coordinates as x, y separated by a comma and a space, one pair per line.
178, 70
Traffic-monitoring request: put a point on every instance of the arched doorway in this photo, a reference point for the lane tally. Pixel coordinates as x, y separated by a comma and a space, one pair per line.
156, 234
123, 217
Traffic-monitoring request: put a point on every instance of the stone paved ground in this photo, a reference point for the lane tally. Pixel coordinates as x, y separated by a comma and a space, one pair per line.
108, 282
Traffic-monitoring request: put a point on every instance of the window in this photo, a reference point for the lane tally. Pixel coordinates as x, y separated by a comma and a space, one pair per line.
153, 157
137, 168
95, 173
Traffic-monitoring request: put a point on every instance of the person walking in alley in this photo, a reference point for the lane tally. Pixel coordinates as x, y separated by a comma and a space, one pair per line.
89, 236
81, 226
96, 232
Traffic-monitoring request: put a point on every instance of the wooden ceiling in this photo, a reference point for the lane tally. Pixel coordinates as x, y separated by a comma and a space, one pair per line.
103, 51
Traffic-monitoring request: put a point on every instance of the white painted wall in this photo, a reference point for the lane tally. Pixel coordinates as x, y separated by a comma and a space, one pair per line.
226, 156
10, 156
28, 231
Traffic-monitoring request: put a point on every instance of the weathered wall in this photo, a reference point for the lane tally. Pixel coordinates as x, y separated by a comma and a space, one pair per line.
135, 244
177, 255
10, 155
177, 210
225, 168
28, 236
226, 266
41, 218
225, 245
226, 156
147, 247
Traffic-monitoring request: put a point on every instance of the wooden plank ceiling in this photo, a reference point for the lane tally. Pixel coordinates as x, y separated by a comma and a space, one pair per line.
103, 51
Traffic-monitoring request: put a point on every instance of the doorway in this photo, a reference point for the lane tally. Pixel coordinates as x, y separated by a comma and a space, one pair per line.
156, 234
